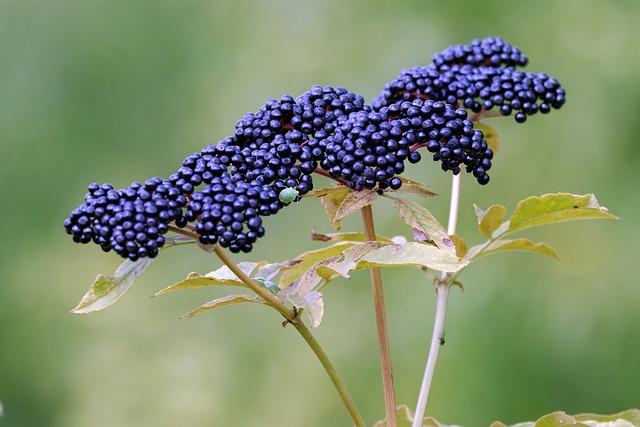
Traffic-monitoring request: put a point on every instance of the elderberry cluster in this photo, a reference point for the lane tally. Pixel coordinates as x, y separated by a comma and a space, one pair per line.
479, 76
222, 192
131, 221
370, 149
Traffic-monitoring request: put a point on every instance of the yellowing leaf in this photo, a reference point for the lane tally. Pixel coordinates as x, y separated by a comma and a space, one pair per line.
418, 217
491, 135
331, 198
306, 260
413, 254
354, 201
410, 186
489, 220
461, 245
106, 290
552, 208
523, 245
221, 302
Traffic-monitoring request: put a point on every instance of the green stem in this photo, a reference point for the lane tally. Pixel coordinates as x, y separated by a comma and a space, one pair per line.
292, 317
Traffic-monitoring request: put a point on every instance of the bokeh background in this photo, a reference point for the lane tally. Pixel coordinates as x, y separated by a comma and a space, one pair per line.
119, 91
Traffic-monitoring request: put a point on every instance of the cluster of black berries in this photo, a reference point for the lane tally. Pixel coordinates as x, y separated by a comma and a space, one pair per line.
478, 77
131, 221
370, 149
491, 51
222, 192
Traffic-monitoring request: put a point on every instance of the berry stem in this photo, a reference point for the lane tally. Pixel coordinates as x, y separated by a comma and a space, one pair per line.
381, 324
292, 317
442, 293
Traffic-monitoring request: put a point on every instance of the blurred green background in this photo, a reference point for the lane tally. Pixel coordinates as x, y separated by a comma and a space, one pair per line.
119, 91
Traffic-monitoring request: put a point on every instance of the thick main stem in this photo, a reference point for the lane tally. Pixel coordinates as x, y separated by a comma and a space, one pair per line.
442, 293
381, 324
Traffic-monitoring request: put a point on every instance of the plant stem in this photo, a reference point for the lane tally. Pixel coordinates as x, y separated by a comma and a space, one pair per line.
291, 317
442, 293
381, 324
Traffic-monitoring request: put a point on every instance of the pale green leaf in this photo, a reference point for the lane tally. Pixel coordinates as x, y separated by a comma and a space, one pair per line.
489, 220
221, 302
521, 245
106, 290
491, 135
410, 186
306, 260
418, 217
404, 417
312, 303
348, 261
354, 201
413, 254
341, 237
552, 208
310, 279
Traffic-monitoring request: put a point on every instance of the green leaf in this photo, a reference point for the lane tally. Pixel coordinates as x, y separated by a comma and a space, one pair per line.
344, 237
418, 217
404, 417
410, 186
521, 245
221, 302
552, 208
354, 201
106, 290
413, 254
491, 135
223, 276
306, 260
557, 419
489, 220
